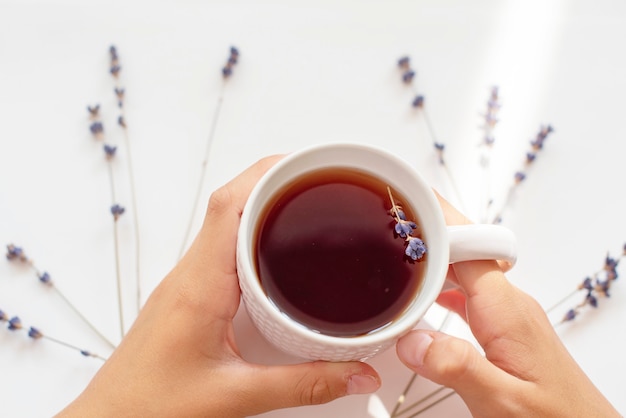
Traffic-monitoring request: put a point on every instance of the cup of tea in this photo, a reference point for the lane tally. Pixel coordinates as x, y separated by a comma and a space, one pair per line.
343, 247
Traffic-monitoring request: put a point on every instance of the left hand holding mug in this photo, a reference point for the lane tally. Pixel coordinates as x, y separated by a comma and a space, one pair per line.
180, 357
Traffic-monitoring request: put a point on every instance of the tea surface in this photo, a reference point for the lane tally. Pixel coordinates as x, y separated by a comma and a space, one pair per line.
328, 257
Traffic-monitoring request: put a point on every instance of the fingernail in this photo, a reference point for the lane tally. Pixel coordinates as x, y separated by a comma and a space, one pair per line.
361, 384
413, 348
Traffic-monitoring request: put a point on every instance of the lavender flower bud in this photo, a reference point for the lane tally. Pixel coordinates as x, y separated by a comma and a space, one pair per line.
408, 75
117, 211
610, 263
45, 278
115, 70
570, 315
418, 101
405, 228
113, 52
34, 333
519, 177
94, 111
415, 248
586, 284
404, 63
109, 150
15, 253
591, 300
15, 323
96, 128
3, 316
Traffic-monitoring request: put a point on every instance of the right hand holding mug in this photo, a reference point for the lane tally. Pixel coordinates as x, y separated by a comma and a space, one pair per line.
526, 370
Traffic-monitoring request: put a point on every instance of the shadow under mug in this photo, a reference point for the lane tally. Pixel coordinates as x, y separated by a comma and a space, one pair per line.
446, 244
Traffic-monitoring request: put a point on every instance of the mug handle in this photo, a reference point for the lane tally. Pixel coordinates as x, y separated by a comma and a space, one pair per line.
482, 242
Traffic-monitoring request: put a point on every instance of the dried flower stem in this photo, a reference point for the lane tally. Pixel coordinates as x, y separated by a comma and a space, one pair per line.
116, 249
73, 347
122, 122
408, 76
439, 147
45, 279
598, 285
227, 72
205, 163
490, 121
396, 412
15, 324
520, 176
430, 405
82, 317
563, 300
97, 129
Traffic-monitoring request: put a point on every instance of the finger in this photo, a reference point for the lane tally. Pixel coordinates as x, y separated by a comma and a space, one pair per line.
454, 363
274, 387
209, 266
450, 213
453, 300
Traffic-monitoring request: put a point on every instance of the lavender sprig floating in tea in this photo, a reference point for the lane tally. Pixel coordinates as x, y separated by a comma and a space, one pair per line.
116, 209
415, 247
536, 145
227, 72
17, 254
120, 94
14, 323
408, 76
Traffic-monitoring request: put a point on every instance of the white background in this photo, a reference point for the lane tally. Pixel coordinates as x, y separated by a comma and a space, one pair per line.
309, 72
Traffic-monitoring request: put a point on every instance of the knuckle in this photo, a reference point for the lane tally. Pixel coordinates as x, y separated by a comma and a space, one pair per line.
314, 391
220, 200
458, 360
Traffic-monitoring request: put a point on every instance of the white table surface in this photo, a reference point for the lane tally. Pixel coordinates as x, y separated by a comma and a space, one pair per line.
309, 72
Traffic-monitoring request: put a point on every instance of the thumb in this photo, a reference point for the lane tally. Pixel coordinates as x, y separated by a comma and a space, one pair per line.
274, 387
454, 363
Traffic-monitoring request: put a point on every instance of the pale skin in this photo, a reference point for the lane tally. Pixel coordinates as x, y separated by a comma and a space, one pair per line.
180, 358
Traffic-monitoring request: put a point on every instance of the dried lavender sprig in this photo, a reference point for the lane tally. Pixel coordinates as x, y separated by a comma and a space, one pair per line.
116, 209
536, 146
17, 254
227, 72
120, 93
596, 286
490, 121
408, 76
15, 324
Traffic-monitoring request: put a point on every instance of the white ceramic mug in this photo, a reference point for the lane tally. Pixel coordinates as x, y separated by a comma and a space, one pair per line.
446, 244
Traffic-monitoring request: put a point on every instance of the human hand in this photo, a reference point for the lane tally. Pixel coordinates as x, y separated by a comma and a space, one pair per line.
180, 357
526, 370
